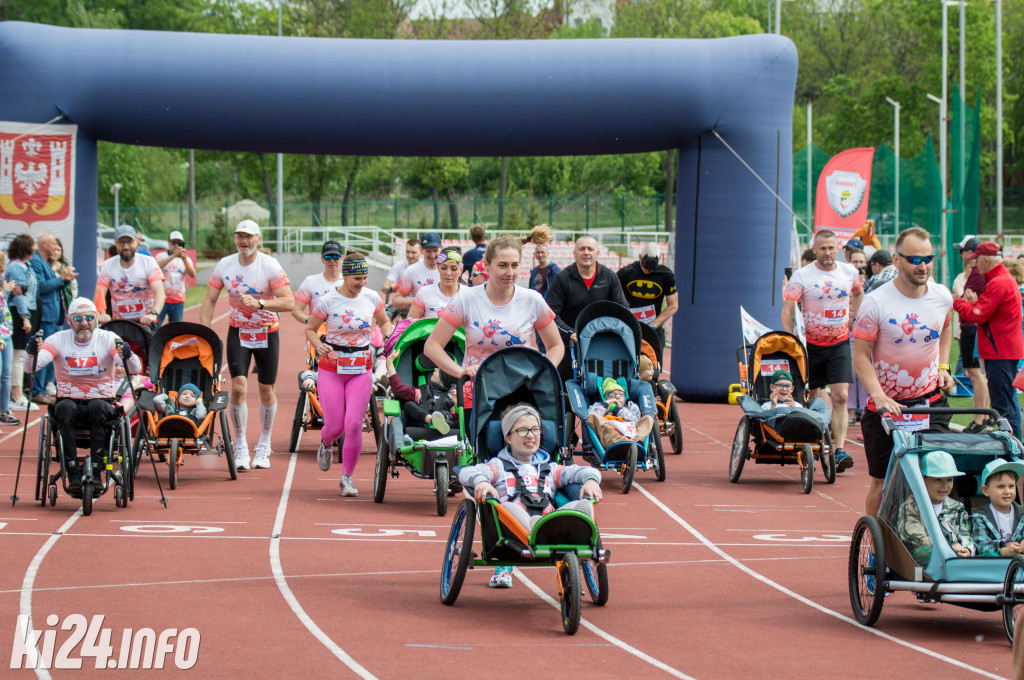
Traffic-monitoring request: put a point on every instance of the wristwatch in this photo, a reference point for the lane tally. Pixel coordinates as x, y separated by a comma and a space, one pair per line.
261, 304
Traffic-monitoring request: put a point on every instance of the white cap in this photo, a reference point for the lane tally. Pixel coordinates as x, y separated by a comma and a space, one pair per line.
80, 305
650, 249
248, 227
175, 236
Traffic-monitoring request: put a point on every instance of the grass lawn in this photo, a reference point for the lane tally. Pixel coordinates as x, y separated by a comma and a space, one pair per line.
195, 295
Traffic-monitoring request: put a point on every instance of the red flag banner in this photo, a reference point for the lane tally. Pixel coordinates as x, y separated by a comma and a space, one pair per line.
843, 190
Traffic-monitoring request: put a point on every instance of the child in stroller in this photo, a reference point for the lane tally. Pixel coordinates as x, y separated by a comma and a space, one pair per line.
938, 470
189, 403
615, 419
432, 406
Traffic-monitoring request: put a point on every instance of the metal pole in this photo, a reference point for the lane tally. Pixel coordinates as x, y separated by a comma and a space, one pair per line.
896, 126
810, 172
778, 17
942, 179
999, 118
114, 190
280, 163
963, 115
192, 198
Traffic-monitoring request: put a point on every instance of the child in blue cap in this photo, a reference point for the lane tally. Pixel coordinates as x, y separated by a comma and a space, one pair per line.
938, 469
999, 526
189, 404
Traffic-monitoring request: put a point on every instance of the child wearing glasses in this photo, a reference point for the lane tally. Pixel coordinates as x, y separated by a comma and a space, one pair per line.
782, 390
615, 419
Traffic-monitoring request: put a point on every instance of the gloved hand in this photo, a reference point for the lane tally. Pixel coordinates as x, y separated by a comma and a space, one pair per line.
34, 343
126, 351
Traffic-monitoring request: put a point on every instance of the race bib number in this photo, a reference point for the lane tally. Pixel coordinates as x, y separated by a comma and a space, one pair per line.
835, 315
352, 364
130, 309
253, 339
645, 314
769, 366
83, 365
912, 422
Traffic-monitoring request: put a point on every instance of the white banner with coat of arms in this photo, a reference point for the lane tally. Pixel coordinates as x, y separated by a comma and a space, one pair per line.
37, 180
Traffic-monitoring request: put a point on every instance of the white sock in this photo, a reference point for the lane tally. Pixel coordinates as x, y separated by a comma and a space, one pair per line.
267, 414
239, 417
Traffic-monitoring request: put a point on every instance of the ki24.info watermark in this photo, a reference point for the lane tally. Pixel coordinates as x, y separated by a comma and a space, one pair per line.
142, 648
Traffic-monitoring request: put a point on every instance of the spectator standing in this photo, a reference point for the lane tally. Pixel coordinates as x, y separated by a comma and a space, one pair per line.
176, 265
650, 289
896, 372
584, 281
6, 349
134, 280
882, 271
59, 263
546, 270
423, 273
997, 311
49, 289
412, 256
23, 310
476, 253
971, 278
830, 294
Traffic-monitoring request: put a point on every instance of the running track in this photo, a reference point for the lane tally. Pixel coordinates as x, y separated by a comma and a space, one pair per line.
284, 578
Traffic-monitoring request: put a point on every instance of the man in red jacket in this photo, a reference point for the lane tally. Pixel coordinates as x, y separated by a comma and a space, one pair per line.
997, 311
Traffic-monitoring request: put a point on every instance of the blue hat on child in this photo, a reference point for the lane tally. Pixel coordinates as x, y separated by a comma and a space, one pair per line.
1000, 465
939, 464
189, 386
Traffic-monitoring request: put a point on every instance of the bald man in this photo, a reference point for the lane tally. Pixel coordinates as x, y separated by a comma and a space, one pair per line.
50, 290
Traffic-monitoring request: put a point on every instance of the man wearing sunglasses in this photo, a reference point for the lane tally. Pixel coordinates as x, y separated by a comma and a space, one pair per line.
997, 312
901, 347
84, 361
829, 293
315, 286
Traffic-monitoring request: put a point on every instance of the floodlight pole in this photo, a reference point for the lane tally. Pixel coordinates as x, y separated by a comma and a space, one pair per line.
810, 172
999, 119
115, 190
942, 179
778, 17
896, 125
280, 164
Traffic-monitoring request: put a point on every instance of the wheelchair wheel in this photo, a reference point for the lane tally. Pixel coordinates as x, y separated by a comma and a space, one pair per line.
298, 421
380, 471
595, 575
659, 457
459, 551
119, 498
227, 448
807, 469
43, 463
629, 470
740, 450
172, 464
375, 419
441, 491
677, 431
828, 460
125, 468
867, 570
87, 498
1013, 594
572, 595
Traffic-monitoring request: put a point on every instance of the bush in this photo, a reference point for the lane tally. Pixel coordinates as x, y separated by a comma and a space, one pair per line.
220, 237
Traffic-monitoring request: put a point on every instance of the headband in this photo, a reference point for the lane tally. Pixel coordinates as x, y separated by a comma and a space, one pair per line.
449, 254
356, 267
478, 270
514, 414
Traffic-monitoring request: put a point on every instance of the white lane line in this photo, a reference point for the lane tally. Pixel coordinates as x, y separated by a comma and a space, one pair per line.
25, 603
626, 647
800, 598
19, 431
289, 597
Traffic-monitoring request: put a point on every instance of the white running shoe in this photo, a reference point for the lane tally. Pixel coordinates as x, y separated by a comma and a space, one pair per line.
242, 457
23, 403
324, 456
346, 486
261, 461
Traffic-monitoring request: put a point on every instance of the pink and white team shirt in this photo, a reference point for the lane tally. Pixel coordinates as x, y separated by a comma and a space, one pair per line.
415, 277
260, 279
349, 324
314, 287
397, 269
131, 295
174, 279
906, 336
84, 371
824, 298
431, 300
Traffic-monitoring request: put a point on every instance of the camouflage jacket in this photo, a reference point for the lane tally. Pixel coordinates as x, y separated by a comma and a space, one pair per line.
953, 520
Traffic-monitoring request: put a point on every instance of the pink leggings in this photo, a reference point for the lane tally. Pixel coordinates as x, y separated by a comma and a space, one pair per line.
344, 399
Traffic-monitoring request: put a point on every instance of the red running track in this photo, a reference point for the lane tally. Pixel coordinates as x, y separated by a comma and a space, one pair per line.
282, 577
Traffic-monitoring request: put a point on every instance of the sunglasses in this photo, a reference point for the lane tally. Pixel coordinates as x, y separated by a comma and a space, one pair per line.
916, 260
333, 257
79, 318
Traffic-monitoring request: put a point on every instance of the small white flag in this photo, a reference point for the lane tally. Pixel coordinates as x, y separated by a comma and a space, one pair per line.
752, 328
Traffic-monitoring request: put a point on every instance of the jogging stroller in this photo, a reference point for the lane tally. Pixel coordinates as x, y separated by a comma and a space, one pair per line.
666, 403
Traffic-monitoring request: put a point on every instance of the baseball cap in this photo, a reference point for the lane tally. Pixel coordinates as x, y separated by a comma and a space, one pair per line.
124, 230
781, 374
968, 243
80, 305
176, 236
431, 239
939, 464
855, 244
985, 248
881, 258
1000, 465
331, 248
248, 227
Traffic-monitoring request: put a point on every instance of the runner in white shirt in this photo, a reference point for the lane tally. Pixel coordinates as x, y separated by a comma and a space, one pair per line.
901, 347
84, 360
257, 290
422, 273
315, 286
135, 282
345, 370
430, 300
412, 256
176, 265
829, 294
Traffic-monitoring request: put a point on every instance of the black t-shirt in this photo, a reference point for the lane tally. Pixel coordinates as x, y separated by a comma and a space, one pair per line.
646, 293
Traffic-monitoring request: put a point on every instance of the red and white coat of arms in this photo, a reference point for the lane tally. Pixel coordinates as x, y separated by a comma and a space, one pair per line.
36, 174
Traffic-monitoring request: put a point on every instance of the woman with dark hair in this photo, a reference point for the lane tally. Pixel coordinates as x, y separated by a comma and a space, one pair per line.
345, 369
59, 263
23, 311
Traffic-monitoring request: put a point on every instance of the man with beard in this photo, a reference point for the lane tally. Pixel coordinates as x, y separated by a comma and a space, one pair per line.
829, 294
258, 291
134, 280
84, 360
419, 274
901, 347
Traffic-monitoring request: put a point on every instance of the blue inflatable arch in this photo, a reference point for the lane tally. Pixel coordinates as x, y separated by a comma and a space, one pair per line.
452, 98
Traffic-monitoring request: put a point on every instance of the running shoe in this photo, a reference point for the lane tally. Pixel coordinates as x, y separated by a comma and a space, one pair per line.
844, 461
439, 423
502, 578
261, 461
976, 428
8, 419
242, 457
22, 404
347, 489
324, 456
